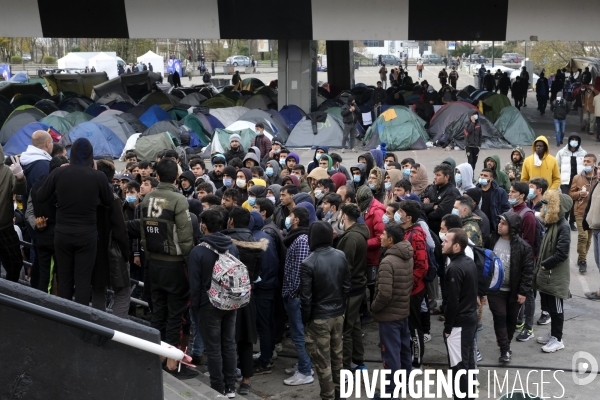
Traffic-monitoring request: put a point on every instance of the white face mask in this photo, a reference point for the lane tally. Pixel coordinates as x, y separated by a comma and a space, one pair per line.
241, 183
442, 236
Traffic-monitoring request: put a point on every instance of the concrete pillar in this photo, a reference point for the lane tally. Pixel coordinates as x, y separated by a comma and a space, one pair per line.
297, 74
340, 65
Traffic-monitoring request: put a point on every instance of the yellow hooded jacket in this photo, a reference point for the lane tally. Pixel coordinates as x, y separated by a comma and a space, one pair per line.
258, 182
548, 169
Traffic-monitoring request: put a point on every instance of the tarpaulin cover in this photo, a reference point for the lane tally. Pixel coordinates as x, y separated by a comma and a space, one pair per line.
492, 138
399, 133
514, 127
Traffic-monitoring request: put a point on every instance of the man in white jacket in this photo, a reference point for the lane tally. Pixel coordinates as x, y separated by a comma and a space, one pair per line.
570, 164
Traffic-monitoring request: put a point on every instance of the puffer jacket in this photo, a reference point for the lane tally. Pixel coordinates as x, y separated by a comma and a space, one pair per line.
350, 117
515, 167
263, 143
353, 242
555, 277
580, 181
324, 276
521, 257
394, 284
564, 158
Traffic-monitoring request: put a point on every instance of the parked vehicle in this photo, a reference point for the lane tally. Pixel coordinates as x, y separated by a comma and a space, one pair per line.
432, 59
477, 58
387, 59
511, 58
238, 61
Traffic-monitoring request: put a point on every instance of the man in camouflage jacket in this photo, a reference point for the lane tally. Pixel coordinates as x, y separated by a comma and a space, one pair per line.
515, 165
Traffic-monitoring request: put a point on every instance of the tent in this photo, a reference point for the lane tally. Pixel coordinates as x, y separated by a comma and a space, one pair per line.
229, 115
136, 85
60, 113
116, 124
455, 136
129, 145
493, 106
75, 103
122, 106
581, 62
132, 120
218, 102
104, 63
445, 116
400, 128
78, 117
9, 90
260, 102
22, 138
147, 147
105, 142
138, 110
318, 128
46, 106
271, 126
59, 123
514, 127
163, 126
195, 125
25, 99
193, 99
95, 109
243, 125
72, 61
292, 114
220, 139
165, 101
153, 115
158, 62
79, 83
283, 130
250, 84
20, 117
113, 97
208, 122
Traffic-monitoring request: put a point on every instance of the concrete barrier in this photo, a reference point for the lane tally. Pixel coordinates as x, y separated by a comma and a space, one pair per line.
42, 359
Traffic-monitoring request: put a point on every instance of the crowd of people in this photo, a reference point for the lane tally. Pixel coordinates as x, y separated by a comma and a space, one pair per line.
232, 255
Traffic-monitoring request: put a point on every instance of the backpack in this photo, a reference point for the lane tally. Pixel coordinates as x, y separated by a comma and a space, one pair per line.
230, 283
560, 110
540, 230
490, 272
431, 257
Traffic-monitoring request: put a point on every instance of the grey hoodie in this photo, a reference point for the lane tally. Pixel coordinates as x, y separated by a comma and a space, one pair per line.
275, 179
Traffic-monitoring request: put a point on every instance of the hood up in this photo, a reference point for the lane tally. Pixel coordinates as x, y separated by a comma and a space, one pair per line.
421, 181
256, 221
320, 234
220, 242
514, 223
311, 211
378, 157
339, 179
324, 148
466, 174
275, 165
294, 156
276, 189
82, 153
543, 139
395, 176
370, 160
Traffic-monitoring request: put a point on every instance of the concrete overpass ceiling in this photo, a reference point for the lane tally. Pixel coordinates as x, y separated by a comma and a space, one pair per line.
20, 19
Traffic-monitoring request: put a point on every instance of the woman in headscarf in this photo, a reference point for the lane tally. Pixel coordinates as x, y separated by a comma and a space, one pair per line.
418, 178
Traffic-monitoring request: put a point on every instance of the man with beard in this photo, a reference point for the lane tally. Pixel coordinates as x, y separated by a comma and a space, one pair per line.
236, 150
216, 175
515, 165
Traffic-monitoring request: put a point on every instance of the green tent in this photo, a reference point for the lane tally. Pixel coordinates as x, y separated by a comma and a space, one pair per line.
218, 102
62, 125
223, 135
336, 112
192, 122
177, 113
493, 105
147, 147
514, 127
77, 117
250, 84
399, 128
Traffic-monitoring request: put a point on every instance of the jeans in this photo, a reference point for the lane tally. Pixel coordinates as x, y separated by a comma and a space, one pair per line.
265, 323
197, 343
292, 307
559, 129
218, 334
420, 73
584, 239
527, 310
394, 337
589, 119
505, 314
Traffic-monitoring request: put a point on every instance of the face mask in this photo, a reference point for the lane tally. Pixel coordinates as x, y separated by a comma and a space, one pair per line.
328, 215
372, 186
385, 219
282, 161
530, 195
406, 171
318, 156
333, 170
388, 185
475, 117
483, 181
458, 179
272, 198
574, 143
356, 178
277, 151
442, 236
241, 183
385, 166
131, 199
269, 172
397, 218
288, 223
252, 201
455, 211
227, 182
319, 194
512, 202
587, 168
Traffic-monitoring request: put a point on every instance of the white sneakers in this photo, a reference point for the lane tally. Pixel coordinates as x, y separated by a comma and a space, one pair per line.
299, 379
256, 356
426, 337
544, 339
553, 345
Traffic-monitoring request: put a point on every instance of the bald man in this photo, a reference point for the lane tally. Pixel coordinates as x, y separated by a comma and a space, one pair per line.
36, 159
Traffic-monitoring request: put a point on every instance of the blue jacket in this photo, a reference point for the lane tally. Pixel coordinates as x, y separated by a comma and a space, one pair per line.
32, 173
499, 205
270, 259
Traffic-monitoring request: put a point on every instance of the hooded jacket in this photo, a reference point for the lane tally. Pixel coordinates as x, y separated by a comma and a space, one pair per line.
521, 257
295, 157
394, 284
580, 181
484, 222
515, 167
415, 235
311, 211
372, 211
377, 157
274, 179
339, 179
370, 161
498, 203
420, 182
547, 170
472, 133
353, 242
363, 176
350, 117
250, 250
501, 176
570, 163
294, 180
395, 176
35, 163
324, 276
9, 186
190, 192
554, 278
251, 156
466, 175
201, 264
379, 191
315, 163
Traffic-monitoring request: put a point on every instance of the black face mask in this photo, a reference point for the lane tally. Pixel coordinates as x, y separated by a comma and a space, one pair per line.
117, 188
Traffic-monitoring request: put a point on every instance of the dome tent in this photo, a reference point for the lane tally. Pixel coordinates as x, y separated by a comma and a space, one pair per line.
59, 123
514, 127
121, 128
22, 139
318, 128
445, 116
17, 119
228, 116
399, 128
292, 114
105, 142
455, 134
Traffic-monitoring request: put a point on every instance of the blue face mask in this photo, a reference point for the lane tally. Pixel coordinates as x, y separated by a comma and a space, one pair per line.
531, 195
318, 156
328, 215
455, 211
574, 143
277, 151
372, 186
587, 168
385, 219
288, 223
356, 178
483, 182
406, 171
131, 199
397, 218
251, 201
269, 172
282, 161
333, 170
512, 202
227, 182
458, 179
388, 185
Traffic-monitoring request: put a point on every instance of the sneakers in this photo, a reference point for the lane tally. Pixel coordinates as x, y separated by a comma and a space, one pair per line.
553, 345
479, 326
260, 370
299, 379
199, 360
520, 326
294, 369
278, 347
353, 150
544, 339
244, 388
479, 356
343, 150
582, 267
525, 335
573, 227
426, 337
183, 374
256, 356
505, 357
545, 319
230, 392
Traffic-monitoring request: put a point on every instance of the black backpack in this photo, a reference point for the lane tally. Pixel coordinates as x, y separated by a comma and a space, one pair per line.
560, 109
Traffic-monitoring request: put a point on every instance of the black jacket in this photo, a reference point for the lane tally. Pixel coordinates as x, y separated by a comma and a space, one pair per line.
504, 84
521, 257
239, 153
350, 117
444, 197
517, 90
461, 288
324, 276
489, 82
473, 134
250, 249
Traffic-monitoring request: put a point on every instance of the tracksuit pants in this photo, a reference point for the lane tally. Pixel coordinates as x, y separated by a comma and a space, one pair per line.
75, 254
396, 352
461, 355
354, 348
416, 328
554, 306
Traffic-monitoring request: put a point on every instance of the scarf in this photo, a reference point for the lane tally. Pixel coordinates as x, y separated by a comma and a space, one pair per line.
537, 161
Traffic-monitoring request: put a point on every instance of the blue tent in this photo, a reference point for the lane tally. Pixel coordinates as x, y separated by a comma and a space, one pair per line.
153, 115
95, 109
292, 114
105, 141
19, 77
18, 143
214, 122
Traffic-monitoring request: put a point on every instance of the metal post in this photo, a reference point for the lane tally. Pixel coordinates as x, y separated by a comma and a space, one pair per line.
271, 51
493, 53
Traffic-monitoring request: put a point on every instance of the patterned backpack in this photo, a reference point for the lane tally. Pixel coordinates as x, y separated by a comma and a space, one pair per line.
230, 283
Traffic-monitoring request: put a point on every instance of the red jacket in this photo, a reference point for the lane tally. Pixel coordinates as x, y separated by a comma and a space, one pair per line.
373, 220
418, 240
